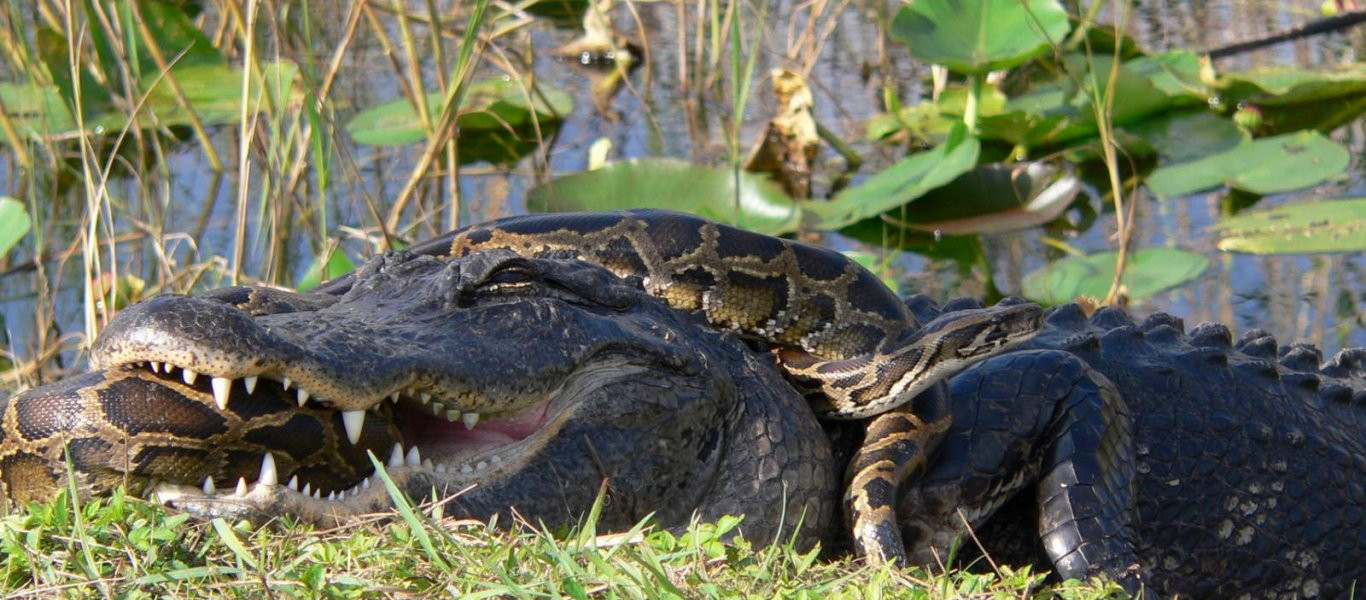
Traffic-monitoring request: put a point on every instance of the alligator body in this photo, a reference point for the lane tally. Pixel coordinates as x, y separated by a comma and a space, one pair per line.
530, 377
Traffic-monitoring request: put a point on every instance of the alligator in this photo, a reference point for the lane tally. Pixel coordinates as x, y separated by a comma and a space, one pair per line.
681, 366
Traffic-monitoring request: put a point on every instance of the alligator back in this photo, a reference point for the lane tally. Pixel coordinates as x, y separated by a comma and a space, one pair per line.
1250, 458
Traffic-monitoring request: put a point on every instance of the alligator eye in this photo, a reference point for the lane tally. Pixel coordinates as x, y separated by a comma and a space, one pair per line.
511, 274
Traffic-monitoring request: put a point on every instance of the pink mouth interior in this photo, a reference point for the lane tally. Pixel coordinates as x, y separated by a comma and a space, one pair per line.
444, 437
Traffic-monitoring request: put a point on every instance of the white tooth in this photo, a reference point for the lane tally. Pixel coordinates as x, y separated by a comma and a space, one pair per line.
249, 382
285, 383
303, 397
440, 468
395, 457
355, 491
189, 376
393, 397
156, 367
332, 495
414, 457
425, 397
241, 486
222, 387
308, 490
293, 483
208, 486
365, 483
470, 419
317, 494
438, 408
466, 469
452, 415
353, 420
269, 476
497, 460
427, 464
481, 466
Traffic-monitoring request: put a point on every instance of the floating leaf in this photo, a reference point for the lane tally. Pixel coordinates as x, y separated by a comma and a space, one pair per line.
14, 223
36, 111
1146, 273
1263, 166
1178, 137
493, 104
900, 183
1310, 228
1175, 73
993, 199
215, 93
1270, 86
337, 265
979, 36
758, 204
1135, 97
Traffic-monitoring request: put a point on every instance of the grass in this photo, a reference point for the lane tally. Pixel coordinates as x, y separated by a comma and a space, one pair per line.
125, 547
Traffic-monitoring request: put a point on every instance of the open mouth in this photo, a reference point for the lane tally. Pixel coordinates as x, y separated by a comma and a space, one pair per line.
437, 431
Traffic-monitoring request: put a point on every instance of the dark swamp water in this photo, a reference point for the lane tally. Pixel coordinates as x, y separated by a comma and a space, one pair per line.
1321, 299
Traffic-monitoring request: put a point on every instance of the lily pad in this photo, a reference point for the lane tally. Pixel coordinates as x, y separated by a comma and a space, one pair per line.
993, 199
36, 111
214, 92
14, 223
979, 36
1310, 228
337, 265
757, 204
1135, 97
900, 183
1177, 137
1263, 166
487, 105
1176, 73
1147, 272
1271, 86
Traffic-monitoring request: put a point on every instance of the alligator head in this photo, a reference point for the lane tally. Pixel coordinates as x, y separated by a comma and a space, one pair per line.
495, 380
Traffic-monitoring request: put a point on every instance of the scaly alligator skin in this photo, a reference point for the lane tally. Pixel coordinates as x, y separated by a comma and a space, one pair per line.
1179, 462
1184, 462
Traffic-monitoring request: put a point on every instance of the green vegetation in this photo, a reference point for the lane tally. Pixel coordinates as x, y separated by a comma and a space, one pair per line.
152, 146
124, 547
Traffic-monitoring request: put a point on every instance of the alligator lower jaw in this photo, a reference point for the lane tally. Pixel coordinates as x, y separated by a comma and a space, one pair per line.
446, 447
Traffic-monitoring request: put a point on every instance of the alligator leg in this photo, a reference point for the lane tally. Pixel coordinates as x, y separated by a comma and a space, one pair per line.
896, 446
1040, 419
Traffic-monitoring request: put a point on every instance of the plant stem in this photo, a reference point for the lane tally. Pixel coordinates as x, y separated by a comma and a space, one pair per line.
974, 100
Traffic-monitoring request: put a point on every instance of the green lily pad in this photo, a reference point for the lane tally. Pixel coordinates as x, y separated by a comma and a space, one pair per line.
337, 265
900, 183
758, 204
1263, 166
214, 92
14, 223
992, 199
1271, 86
1175, 73
36, 111
979, 36
1135, 97
1310, 228
1147, 272
487, 105
1177, 137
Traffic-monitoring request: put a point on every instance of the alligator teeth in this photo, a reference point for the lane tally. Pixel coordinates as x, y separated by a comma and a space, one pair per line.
293, 483
308, 489
414, 457
425, 397
427, 464
470, 420
317, 494
395, 457
208, 486
269, 476
249, 382
189, 376
222, 387
241, 487
365, 484
438, 408
466, 469
440, 468
481, 465
156, 366
352, 421
393, 397
452, 415
332, 495
303, 399
285, 383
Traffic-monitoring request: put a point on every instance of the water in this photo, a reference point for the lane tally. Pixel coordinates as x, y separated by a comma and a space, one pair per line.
1314, 298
